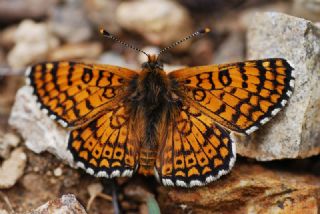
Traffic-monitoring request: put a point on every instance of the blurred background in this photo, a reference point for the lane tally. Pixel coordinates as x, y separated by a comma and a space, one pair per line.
34, 31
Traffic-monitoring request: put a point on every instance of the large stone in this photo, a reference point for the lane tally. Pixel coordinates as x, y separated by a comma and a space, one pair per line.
160, 22
69, 21
33, 41
67, 204
295, 131
39, 131
249, 188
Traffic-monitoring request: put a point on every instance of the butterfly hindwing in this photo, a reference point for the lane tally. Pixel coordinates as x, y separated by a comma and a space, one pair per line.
239, 96
196, 152
74, 93
106, 147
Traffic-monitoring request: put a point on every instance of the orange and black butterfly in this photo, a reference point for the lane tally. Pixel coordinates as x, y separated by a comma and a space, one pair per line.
176, 126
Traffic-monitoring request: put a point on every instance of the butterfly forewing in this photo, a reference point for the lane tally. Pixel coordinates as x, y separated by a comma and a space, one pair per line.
239, 96
75, 93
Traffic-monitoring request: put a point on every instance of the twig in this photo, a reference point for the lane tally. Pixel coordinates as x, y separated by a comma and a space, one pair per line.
7, 201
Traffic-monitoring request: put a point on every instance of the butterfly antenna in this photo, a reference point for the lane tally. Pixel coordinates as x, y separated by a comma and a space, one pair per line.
110, 36
199, 32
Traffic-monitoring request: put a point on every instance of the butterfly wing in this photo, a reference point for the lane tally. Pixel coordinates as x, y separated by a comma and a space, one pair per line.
106, 147
75, 93
196, 150
239, 96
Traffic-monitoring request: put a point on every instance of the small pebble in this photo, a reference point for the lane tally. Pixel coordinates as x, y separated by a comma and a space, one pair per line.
12, 168
3, 211
65, 204
8, 141
36, 169
57, 172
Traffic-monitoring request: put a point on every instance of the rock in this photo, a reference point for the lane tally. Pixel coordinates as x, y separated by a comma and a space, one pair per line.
112, 58
8, 141
39, 131
77, 51
7, 40
22, 9
309, 9
103, 13
231, 50
67, 204
33, 42
249, 188
295, 131
70, 22
3, 211
160, 22
12, 168
57, 172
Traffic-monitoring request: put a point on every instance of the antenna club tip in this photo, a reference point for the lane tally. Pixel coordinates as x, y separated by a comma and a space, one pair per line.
104, 32
205, 30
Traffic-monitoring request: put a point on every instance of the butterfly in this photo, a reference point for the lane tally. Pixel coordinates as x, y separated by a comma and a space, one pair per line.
178, 126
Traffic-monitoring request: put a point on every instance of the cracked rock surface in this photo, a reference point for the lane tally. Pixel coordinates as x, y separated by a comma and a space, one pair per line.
295, 131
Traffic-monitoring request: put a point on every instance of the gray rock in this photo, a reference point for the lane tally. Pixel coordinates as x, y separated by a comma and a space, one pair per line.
8, 141
295, 131
12, 168
39, 131
160, 22
70, 22
33, 41
67, 204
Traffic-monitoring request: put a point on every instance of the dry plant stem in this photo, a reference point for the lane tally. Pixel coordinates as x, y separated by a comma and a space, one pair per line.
104, 196
7, 201
101, 195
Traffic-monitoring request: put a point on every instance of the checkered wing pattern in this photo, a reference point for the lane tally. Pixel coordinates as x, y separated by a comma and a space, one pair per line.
106, 147
197, 151
239, 96
75, 93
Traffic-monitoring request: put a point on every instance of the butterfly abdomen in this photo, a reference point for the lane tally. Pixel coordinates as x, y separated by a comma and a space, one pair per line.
147, 161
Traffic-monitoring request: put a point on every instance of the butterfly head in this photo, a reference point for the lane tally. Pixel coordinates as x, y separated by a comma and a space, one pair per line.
153, 63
